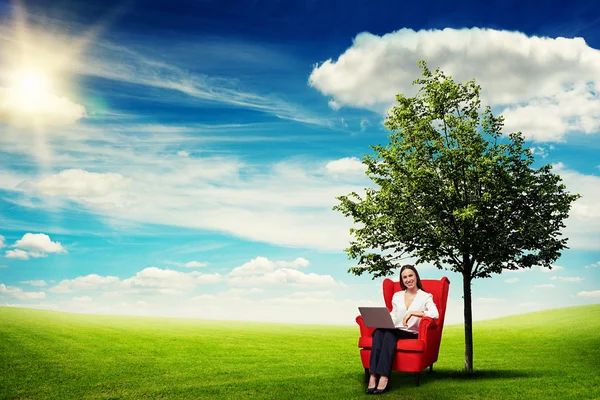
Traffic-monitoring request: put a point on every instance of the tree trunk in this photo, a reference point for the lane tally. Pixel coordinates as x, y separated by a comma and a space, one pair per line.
468, 322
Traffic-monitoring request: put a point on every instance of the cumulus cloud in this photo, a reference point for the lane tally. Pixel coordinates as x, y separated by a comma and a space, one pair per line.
151, 280
18, 293
209, 279
165, 279
88, 282
545, 87
284, 276
347, 165
195, 264
262, 265
593, 293
583, 225
17, 254
246, 279
39, 244
594, 265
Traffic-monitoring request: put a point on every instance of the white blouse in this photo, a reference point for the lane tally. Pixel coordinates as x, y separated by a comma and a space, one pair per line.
423, 302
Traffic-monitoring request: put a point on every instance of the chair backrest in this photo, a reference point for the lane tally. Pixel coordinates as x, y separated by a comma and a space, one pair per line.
438, 288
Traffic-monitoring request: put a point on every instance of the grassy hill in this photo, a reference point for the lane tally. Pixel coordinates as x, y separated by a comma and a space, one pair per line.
51, 355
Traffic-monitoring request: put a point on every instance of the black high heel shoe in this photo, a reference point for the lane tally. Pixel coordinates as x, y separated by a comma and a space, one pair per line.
371, 390
381, 391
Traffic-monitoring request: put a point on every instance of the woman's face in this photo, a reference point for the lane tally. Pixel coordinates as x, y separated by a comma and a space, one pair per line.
409, 279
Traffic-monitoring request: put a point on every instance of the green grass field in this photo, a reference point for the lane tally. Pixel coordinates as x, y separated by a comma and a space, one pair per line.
50, 355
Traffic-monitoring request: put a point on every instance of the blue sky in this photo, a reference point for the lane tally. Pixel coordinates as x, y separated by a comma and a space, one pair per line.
182, 159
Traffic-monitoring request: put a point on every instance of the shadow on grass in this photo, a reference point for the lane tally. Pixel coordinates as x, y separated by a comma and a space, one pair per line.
479, 375
445, 375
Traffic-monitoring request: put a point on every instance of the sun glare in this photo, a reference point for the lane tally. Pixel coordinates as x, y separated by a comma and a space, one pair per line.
36, 64
30, 82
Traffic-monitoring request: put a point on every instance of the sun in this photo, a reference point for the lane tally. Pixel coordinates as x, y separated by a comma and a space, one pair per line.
30, 82
36, 65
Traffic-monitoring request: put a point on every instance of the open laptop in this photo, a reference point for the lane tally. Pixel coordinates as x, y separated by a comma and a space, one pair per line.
377, 317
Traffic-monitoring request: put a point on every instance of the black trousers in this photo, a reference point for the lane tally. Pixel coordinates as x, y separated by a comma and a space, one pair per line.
383, 349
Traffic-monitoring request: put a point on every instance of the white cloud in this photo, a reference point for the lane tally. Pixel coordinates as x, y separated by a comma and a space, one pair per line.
545, 86
21, 108
595, 265
2, 241
594, 293
151, 280
554, 268
88, 282
183, 153
347, 165
545, 285
195, 264
157, 278
297, 263
17, 254
101, 189
583, 225
334, 105
567, 278
209, 279
511, 280
284, 276
539, 151
18, 293
35, 283
39, 244
256, 266
262, 265
287, 204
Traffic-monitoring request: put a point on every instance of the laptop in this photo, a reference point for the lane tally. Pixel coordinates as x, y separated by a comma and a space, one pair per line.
377, 317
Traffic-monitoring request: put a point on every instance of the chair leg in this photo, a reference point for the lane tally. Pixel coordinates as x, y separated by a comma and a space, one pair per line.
431, 368
367, 375
417, 377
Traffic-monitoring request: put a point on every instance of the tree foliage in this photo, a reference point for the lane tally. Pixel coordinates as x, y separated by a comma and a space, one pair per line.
452, 190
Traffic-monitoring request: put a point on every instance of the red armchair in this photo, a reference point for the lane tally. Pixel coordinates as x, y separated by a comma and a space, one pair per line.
412, 355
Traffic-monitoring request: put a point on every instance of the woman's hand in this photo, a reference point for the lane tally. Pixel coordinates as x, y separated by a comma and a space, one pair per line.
406, 317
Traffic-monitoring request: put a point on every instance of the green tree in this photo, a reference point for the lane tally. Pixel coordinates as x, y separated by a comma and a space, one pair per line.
451, 190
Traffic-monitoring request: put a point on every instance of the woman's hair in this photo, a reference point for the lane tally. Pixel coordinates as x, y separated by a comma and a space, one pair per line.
413, 269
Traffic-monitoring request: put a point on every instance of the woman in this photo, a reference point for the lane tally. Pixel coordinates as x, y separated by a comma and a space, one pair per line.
408, 307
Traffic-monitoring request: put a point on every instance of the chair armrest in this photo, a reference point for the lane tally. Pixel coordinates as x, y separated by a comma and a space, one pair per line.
364, 330
427, 323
